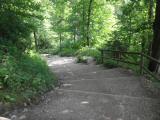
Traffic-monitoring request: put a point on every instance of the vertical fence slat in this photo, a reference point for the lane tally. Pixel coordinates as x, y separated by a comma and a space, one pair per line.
141, 63
102, 56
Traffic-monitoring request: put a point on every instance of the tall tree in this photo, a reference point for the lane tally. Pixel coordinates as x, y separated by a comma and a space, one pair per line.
58, 20
150, 11
88, 22
15, 22
36, 40
150, 24
153, 66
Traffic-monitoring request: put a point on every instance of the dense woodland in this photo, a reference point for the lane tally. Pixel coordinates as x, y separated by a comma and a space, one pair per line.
78, 28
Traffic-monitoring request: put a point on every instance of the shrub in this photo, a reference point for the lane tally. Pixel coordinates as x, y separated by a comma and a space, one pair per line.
52, 51
67, 52
85, 52
110, 63
24, 74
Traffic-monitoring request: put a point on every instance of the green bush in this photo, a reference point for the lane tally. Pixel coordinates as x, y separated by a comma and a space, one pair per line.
67, 52
52, 51
110, 63
24, 75
71, 44
85, 52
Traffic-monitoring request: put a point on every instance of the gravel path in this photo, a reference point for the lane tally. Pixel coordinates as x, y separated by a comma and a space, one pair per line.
91, 92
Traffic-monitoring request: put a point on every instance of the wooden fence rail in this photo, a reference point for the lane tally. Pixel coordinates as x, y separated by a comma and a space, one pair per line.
120, 55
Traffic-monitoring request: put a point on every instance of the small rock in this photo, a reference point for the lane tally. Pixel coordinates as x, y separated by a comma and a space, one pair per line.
13, 117
25, 104
90, 60
29, 100
66, 111
51, 117
131, 71
67, 85
45, 111
84, 102
22, 117
119, 119
25, 110
56, 88
106, 118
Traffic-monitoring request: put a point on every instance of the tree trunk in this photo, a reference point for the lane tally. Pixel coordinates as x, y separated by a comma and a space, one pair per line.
143, 43
88, 23
150, 12
74, 36
84, 20
153, 66
150, 23
130, 29
36, 41
60, 41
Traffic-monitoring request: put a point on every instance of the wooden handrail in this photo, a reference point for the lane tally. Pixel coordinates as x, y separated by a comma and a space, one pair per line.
138, 53
151, 58
140, 63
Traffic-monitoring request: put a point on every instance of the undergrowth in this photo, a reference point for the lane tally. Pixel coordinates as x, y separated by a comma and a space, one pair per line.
67, 52
86, 52
23, 76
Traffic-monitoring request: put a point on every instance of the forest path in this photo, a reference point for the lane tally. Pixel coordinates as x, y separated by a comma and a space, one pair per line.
91, 92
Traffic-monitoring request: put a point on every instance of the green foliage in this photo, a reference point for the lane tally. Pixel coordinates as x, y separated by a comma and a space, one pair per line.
68, 48
23, 74
85, 52
67, 52
15, 23
116, 45
134, 33
133, 29
44, 42
110, 63
70, 18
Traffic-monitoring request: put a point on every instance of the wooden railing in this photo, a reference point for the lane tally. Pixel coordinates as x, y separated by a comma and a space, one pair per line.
119, 56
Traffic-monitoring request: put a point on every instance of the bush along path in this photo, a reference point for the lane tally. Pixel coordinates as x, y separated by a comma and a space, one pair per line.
90, 92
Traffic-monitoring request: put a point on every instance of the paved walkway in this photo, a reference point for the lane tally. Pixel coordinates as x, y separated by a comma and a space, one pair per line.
91, 92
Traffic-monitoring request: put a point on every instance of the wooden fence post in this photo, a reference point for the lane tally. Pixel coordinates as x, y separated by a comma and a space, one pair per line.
102, 57
141, 64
